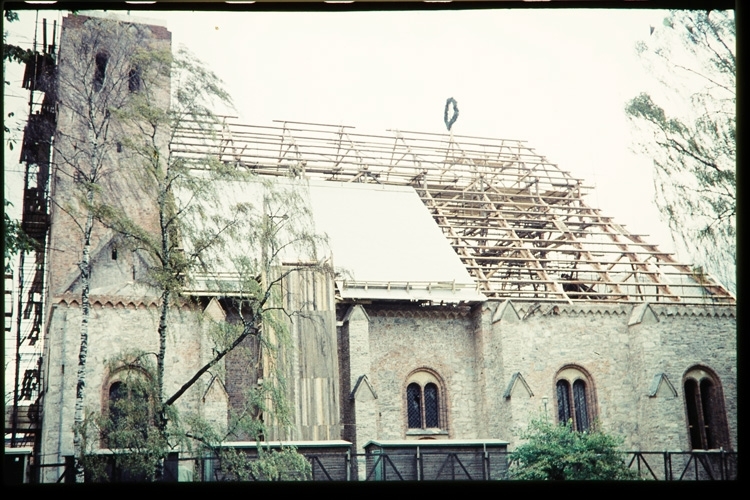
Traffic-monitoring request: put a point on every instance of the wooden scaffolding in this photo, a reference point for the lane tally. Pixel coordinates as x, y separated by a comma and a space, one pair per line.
518, 223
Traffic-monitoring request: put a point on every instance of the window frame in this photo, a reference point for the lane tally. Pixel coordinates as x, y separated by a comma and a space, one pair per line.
705, 410
134, 382
579, 388
421, 381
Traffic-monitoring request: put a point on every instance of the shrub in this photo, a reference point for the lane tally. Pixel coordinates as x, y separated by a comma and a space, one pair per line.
557, 452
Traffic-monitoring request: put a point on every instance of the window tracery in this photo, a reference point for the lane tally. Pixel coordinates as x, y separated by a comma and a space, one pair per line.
425, 407
575, 398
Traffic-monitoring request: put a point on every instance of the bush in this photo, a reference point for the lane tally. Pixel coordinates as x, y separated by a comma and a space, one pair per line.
557, 452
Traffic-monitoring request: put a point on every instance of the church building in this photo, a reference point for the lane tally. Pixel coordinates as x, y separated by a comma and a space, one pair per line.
462, 287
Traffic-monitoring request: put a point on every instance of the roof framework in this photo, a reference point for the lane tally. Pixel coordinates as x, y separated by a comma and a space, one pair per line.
518, 223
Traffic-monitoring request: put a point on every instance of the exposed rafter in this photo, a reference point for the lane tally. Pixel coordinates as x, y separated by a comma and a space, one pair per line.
518, 223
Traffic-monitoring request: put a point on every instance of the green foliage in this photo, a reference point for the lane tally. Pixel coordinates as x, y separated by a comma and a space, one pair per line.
690, 134
127, 428
14, 53
195, 239
283, 464
15, 239
557, 452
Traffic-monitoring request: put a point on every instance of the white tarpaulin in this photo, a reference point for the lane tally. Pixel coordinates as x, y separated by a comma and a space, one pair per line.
383, 241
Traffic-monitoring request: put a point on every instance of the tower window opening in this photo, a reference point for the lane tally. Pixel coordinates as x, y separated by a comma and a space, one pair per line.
100, 71
134, 79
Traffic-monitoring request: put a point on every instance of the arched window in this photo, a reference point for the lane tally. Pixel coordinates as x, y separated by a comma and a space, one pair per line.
575, 398
129, 410
100, 70
117, 399
424, 401
704, 404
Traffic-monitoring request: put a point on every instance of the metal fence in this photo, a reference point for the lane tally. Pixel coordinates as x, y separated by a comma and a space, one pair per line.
681, 466
448, 466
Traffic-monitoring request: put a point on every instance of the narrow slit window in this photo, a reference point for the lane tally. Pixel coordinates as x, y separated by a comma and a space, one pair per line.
431, 412
100, 71
134, 79
117, 393
581, 406
692, 400
563, 401
414, 406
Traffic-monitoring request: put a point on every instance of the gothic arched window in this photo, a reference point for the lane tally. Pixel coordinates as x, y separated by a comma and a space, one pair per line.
704, 404
424, 401
575, 398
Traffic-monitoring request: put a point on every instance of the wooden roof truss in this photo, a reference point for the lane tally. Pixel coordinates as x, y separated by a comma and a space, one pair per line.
518, 223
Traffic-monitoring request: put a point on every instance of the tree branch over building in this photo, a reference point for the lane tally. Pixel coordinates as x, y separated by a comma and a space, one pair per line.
690, 134
184, 227
93, 76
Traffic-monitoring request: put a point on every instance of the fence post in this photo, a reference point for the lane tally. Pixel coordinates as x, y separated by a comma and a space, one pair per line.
69, 474
695, 462
418, 465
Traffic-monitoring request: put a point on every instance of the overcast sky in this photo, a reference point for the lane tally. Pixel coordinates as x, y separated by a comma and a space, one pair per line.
556, 78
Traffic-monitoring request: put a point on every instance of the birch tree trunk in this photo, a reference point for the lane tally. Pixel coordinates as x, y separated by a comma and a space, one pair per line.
85, 266
162, 332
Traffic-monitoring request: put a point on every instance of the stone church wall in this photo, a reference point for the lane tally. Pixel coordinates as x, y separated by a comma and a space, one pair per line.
500, 363
117, 327
440, 340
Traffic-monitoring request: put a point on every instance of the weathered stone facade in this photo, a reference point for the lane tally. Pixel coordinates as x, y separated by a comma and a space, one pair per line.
497, 363
478, 351
118, 326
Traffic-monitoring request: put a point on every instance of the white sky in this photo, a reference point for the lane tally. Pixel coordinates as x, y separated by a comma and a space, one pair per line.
556, 78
